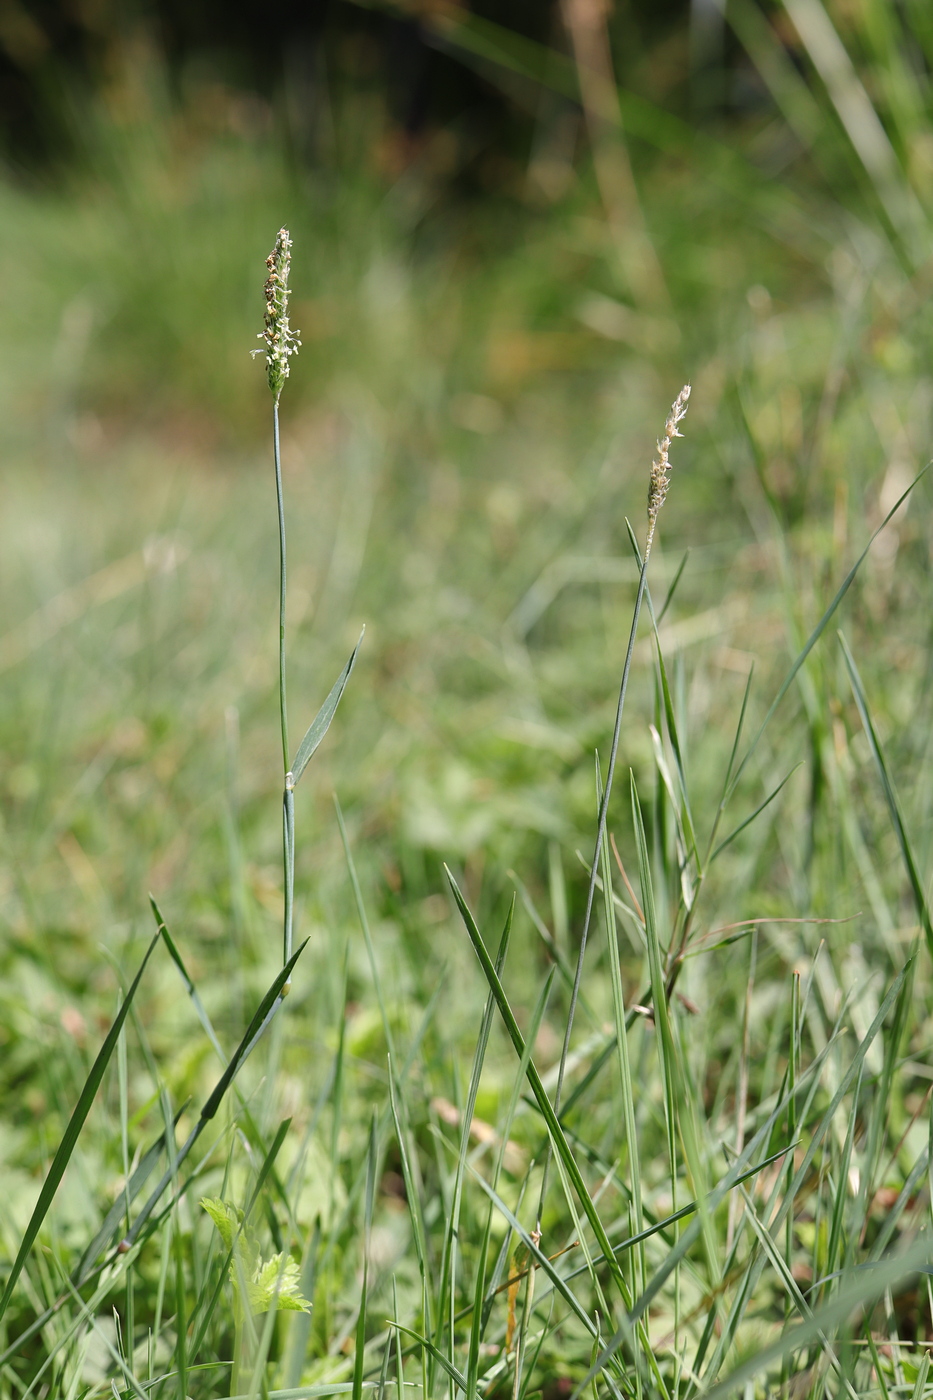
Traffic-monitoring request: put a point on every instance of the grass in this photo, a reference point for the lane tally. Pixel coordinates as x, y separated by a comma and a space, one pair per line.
738, 1193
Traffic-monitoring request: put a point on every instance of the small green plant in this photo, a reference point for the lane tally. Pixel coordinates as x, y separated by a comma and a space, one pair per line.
259, 1285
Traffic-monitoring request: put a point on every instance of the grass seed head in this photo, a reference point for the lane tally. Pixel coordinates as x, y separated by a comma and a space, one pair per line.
280, 340
661, 467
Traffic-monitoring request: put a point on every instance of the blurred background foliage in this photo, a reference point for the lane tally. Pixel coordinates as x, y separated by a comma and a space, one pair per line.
518, 228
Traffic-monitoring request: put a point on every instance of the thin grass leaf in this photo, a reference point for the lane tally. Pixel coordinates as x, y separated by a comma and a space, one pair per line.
455, 1375
250, 1127
364, 925
890, 794
116, 1213
448, 1261
556, 1135
682, 809
412, 1194
192, 990
715, 1198
727, 841
625, 1069
679, 1105
821, 626
310, 1392
72, 1132
537, 1254
265, 1012
673, 588
478, 1321
867, 1288
782, 1268
837, 1217
322, 720
359, 1352
555, 1131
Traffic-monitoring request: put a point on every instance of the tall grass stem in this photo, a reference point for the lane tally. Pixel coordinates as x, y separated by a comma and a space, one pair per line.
657, 494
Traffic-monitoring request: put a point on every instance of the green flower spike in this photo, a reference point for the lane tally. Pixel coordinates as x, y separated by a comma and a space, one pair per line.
281, 341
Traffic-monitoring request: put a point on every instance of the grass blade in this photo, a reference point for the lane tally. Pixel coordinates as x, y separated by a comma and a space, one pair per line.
555, 1131
321, 722
727, 840
264, 1014
821, 626
890, 795
70, 1138
867, 1288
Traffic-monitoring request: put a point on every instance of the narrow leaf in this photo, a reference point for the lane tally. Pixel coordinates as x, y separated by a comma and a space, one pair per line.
890, 795
821, 626
72, 1132
321, 722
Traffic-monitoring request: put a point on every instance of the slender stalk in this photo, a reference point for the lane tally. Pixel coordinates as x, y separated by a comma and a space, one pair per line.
288, 796
657, 493
280, 343
280, 502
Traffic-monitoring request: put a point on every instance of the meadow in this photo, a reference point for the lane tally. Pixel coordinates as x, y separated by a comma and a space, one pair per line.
732, 1194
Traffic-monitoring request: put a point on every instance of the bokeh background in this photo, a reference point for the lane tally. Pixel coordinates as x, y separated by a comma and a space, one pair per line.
519, 227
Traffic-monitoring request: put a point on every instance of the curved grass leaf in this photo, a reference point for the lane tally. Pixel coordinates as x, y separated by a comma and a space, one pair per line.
72, 1132
821, 626
265, 1012
555, 1131
757, 812
117, 1211
890, 794
321, 722
865, 1289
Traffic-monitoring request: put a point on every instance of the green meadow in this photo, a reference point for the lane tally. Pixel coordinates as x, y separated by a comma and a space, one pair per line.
417, 1182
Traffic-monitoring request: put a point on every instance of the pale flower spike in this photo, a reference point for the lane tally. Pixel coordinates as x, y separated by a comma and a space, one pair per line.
660, 468
281, 341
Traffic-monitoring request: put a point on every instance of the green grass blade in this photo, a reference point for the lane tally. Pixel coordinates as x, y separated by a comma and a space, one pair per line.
727, 840
684, 813
448, 1262
625, 1069
117, 1211
364, 925
72, 1132
821, 626
250, 1127
717, 1195
673, 588
555, 1131
266, 1011
537, 1254
322, 720
890, 795
478, 1321
455, 1374
412, 1194
867, 1288
192, 990
360, 1349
